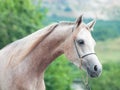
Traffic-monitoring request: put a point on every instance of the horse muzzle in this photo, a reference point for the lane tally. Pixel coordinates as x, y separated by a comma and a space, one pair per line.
95, 72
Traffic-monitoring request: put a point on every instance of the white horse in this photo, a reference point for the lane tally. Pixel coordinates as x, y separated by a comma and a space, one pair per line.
23, 62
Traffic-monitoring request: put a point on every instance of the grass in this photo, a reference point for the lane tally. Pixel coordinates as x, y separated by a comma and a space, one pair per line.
109, 50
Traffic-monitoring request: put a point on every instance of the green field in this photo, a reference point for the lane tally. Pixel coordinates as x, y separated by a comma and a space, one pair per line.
108, 51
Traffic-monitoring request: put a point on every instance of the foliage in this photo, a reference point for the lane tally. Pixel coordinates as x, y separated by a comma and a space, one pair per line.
59, 75
17, 19
105, 30
109, 79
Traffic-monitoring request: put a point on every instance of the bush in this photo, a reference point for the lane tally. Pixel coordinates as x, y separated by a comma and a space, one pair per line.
18, 18
110, 78
59, 75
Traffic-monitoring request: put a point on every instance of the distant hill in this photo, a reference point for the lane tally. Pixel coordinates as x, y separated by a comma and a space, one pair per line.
100, 9
106, 30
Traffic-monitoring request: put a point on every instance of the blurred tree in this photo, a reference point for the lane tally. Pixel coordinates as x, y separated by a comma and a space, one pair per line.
106, 30
17, 19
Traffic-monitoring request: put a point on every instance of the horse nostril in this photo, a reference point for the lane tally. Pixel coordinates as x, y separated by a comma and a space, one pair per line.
95, 68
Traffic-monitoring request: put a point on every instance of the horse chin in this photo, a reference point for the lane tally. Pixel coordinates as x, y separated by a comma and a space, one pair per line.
90, 74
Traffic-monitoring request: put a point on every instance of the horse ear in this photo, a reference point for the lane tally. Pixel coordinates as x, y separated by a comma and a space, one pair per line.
79, 20
91, 24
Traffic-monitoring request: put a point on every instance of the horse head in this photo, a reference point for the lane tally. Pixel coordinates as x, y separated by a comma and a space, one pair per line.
79, 48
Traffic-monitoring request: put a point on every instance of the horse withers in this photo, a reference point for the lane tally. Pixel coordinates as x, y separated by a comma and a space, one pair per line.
23, 62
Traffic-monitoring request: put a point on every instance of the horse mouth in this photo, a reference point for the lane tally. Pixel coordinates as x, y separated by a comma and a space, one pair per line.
92, 74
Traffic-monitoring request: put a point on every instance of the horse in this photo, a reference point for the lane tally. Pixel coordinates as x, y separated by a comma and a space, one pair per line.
23, 62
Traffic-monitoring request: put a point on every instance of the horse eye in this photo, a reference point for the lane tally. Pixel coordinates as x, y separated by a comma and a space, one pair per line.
81, 42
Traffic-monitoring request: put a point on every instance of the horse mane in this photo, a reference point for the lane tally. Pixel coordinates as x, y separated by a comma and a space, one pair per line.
66, 23
27, 44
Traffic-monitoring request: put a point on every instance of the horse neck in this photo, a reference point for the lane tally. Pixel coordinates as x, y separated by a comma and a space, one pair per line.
50, 48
